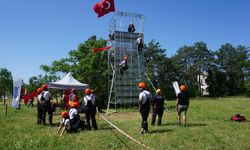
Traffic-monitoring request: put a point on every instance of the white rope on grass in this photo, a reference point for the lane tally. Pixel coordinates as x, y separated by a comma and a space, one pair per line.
125, 133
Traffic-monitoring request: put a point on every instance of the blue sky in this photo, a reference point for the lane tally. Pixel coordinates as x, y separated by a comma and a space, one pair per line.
35, 32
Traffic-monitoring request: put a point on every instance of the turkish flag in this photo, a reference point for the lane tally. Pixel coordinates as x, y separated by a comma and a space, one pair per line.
104, 7
26, 97
95, 50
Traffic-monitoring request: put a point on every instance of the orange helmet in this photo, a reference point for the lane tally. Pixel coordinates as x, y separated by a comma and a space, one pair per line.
87, 91
142, 85
74, 104
64, 114
44, 86
39, 90
182, 88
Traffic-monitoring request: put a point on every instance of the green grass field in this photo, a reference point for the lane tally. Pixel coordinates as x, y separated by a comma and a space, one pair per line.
209, 127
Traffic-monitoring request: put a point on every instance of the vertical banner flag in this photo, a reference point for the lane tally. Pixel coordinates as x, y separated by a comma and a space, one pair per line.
104, 7
16, 93
176, 87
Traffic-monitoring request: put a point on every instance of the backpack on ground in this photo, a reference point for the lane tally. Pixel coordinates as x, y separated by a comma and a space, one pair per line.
238, 118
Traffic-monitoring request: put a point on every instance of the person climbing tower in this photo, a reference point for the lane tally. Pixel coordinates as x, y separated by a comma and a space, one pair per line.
139, 44
124, 65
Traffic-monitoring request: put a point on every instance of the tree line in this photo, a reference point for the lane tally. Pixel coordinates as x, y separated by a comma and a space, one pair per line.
227, 69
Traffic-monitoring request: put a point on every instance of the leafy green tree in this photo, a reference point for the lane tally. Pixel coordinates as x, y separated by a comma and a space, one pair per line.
86, 66
184, 61
191, 62
155, 61
246, 71
202, 58
37, 81
6, 83
159, 68
216, 81
186, 70
232, 60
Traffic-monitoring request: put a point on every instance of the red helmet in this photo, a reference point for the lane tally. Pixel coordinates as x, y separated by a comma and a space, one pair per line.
182, 88
64, 114
87, 91
142, 85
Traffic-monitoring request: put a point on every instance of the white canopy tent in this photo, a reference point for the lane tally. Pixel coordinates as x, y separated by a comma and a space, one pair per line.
67, 82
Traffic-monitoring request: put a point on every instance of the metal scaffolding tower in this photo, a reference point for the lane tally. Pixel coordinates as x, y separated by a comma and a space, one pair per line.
123, 89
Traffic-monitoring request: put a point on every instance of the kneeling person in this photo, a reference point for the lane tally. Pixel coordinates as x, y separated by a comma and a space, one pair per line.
71, 121
64, 123
74, 118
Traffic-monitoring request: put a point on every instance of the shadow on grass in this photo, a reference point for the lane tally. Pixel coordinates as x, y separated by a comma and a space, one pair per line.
188, 124
171, 107
160, 131
54, 125
169, 124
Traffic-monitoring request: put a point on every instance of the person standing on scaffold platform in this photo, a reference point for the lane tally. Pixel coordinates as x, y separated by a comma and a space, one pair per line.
131, 28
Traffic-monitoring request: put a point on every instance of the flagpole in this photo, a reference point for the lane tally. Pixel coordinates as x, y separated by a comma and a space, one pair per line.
6, 108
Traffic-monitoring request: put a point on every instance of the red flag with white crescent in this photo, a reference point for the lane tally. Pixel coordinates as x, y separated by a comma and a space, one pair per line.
95, 50
104, 7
